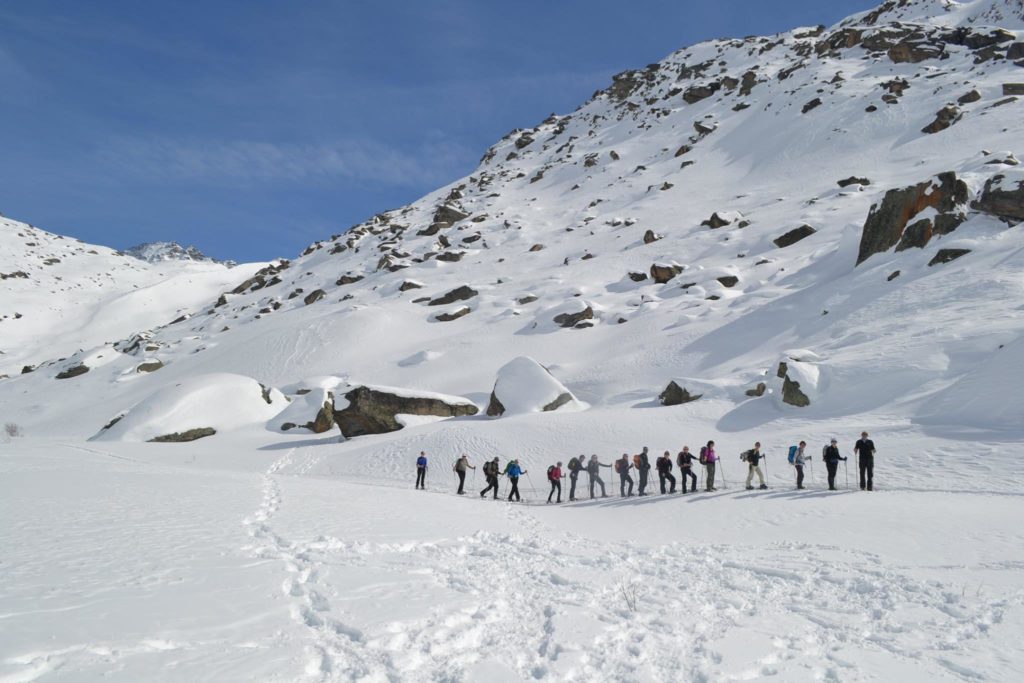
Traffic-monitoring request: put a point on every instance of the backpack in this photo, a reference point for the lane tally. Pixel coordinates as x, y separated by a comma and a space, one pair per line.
490, 468
703, 455
636, 461
551, 470
743, 456
618, 467
574, 464
792, 454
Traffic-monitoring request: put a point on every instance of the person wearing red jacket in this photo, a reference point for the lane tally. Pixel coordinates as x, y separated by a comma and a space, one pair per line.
555, 476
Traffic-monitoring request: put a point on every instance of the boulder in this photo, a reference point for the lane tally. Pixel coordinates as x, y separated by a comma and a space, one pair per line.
377, 410
758, 390
969, 98
348, 279
463, 293
537, 247
853, 180
447, 213
675, 395
720, 220
793, 236
888, 219
650, 237
662, 273
912, 52
528, 299
792, 395
697, 93
450, 256
1015, 51
637, 277
314, 296
728, 281
573, 319
525, 386
944, 118
453, 315
813, 104
916, 235
151, 366
1003, 197
313, 409
73, 371
1013, 89
408, 285
187, 435
947, 255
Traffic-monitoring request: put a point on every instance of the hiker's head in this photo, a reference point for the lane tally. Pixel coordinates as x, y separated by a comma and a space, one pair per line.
757, 444
710, 444
559, 463
423, 452
667, 454
802, 444
834, 442
645, 449
864, 434
686, 449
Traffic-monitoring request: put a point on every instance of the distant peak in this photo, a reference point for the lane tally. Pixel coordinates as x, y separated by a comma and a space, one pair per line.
155, 252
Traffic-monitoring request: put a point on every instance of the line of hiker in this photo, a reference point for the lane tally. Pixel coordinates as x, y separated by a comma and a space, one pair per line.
708, 458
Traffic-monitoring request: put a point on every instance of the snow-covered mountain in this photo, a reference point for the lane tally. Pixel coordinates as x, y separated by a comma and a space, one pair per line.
797, 236
152, 252
743, 202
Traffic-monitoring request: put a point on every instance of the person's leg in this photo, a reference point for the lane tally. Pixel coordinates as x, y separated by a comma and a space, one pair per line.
600, 481
760, 474
572, 486
832, 467
462, 479
622, 486
671, 483
642, 486
711, 475
799, 476
661, 482
871, 472
750, 476
629, 479
552, 492
862, 464
558, 486
591, 484
494, 481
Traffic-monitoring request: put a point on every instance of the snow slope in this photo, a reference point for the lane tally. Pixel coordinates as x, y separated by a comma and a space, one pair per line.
632, 242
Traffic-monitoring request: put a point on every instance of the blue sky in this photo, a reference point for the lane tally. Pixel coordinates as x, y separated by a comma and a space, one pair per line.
252, 128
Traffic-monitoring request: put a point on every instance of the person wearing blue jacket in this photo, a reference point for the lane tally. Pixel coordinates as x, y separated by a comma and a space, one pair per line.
514, 471
421, 471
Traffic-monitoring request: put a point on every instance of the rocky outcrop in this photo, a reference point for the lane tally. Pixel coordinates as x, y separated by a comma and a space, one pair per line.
314, 296
372, 410
813, 104
792, 395
408, 285
446, 213
348, 279
1010, 89
182, 437
853, 180
574, 319
73, 371
151, 366
1002, 198
793, 236
675, 395
728, 281
453, 315
944, 118
463, 293
718, 220
947, 255
969, 97
662, 272
887, 221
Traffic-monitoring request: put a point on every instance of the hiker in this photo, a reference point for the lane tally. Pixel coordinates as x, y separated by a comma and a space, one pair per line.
664, 464
708, 459
798, 458
594, 470
643, 466
513, 471
830, 454
421, 471
865, 450
555, 476
622, 467
461, 465
576, 465
491, 470
753, 460
685, 462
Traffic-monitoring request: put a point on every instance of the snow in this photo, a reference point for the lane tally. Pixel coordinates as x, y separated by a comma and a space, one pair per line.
262, 555
221, 400
525, 386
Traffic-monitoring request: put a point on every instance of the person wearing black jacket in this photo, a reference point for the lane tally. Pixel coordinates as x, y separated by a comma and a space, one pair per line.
644, 467
753, 459
830, 454
622, 466
685, 462
664, 464
576, 465
865, 450
491, 471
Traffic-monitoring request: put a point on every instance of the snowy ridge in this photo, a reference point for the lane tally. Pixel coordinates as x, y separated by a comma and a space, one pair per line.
153, 252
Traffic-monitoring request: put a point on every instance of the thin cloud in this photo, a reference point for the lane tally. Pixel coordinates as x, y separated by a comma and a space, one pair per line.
249, 162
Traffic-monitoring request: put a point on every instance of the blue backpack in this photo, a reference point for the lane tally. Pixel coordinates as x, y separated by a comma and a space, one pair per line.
792, 454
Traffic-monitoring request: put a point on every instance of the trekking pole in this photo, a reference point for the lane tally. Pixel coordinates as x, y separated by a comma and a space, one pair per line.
721, 469
846, 471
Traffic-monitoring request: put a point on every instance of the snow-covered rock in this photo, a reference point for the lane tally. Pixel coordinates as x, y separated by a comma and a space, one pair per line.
525, 386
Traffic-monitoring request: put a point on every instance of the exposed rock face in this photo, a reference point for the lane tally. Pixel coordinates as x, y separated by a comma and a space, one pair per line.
446, 213
314, 296
324, 420
151, 366
853, 180
462, 293
675, 395
793, 236
944, 118
348, 279
700, 92
181, 437
75, 371
1013, 89
969, 98
573, 319
409, 284
792, 395
947, 255
453, 315
662, 273
887, 221
372, 410
1001, 199
451, 256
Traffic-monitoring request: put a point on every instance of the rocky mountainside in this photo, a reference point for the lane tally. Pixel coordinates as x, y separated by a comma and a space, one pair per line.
153, 252
823, 221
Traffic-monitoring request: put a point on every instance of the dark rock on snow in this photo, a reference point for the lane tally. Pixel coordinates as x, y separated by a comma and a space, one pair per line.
188, 435
573, 319
675, 395
947, 255
793, 236
373, 410
75, 371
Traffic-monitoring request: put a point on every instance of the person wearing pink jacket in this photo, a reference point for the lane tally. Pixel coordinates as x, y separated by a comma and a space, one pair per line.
708, 459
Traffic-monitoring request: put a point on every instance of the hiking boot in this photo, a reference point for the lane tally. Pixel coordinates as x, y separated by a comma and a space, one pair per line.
763, 486
750, 488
